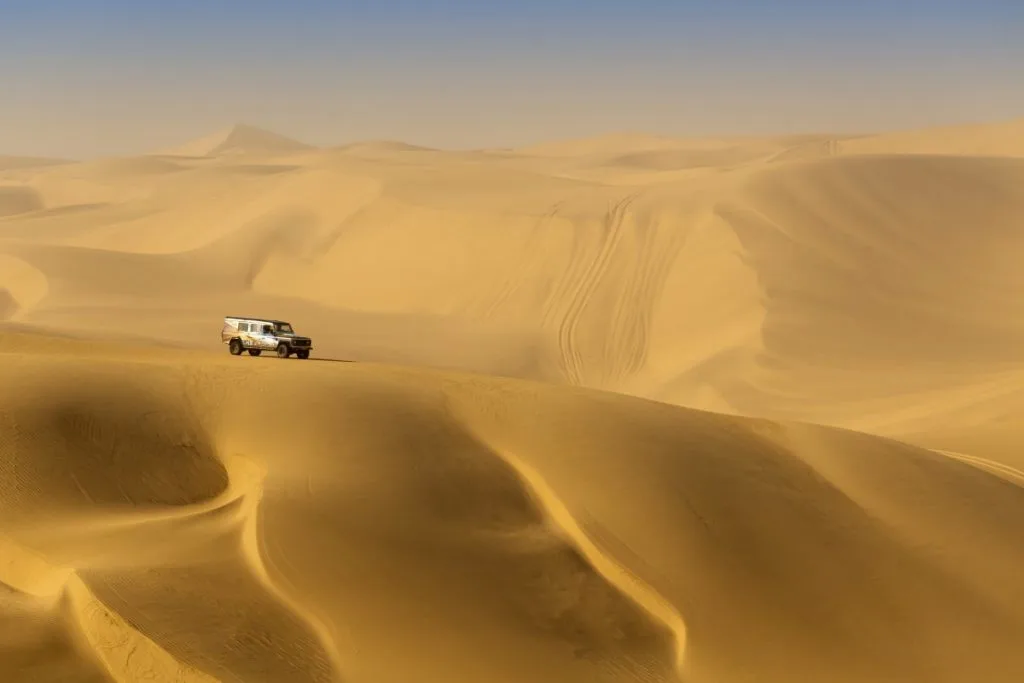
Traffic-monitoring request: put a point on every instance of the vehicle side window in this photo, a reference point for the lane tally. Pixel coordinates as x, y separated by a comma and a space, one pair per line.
268, 329
243, 327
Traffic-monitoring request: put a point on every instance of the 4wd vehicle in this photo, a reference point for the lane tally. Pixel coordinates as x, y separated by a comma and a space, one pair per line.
256, 335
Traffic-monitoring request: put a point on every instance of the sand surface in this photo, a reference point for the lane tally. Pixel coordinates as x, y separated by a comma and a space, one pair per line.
622, 409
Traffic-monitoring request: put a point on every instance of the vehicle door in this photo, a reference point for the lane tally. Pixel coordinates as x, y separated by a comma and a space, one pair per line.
251, 338
268, 340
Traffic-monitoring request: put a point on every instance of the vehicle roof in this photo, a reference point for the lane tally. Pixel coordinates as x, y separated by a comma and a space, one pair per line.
255, 319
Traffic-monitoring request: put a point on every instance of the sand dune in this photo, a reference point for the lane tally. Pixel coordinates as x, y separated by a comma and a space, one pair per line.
11, 163
15, 200
625, 409
1005, 138
631, 159
22, 287
515, 527
237, 140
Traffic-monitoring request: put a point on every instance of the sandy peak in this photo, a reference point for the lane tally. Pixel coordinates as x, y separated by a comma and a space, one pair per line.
238, 139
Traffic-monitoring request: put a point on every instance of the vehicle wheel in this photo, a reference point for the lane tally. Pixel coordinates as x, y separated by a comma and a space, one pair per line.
283, 351
255, 352
235, 347
303, 355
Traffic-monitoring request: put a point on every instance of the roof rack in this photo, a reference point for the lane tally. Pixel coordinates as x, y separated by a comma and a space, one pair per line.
256, 319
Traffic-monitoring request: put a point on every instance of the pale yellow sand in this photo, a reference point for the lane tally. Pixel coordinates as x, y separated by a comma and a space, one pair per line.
489, 494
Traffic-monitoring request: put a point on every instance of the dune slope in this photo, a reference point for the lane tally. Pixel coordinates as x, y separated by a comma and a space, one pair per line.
1003, 138
485, 529
881, 292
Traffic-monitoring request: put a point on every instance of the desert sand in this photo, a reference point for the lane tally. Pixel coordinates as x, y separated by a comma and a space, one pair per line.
621, 409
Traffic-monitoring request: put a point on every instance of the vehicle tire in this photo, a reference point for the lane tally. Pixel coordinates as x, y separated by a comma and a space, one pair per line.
235, 347
255, 352
283, 351
303, 355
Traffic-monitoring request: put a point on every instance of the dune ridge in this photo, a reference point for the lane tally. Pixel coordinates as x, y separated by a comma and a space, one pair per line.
240, 139
627, 408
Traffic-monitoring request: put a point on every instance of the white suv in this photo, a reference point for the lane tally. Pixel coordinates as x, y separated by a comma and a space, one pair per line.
257, 335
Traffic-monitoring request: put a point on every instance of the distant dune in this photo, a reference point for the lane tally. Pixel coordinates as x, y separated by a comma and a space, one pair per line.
1000, 139
384, 146
240, 139
15, 199
8, 163
627, 408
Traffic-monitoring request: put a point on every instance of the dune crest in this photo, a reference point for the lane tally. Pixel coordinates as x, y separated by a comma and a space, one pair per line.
1005, 138
237, 140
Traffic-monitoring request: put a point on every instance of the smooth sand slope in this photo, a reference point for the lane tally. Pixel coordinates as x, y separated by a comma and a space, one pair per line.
181, 516
172, 513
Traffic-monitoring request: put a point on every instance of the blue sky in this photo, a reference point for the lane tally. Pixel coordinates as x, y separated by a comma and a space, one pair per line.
88, 77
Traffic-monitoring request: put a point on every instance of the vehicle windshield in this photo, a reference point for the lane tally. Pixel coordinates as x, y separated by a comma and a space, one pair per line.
283, 328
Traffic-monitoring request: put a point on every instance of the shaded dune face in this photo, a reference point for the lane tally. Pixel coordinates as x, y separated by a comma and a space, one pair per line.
8, 305
15, 200
36, 645
415, 535
216, 617
121, 514
853, 250
879, 275
419, 537
86, 442
784, 548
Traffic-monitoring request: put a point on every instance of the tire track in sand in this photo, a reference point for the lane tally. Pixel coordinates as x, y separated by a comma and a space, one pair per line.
657, 243
585, 287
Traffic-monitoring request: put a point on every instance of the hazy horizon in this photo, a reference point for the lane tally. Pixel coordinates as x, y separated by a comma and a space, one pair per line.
90, 79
